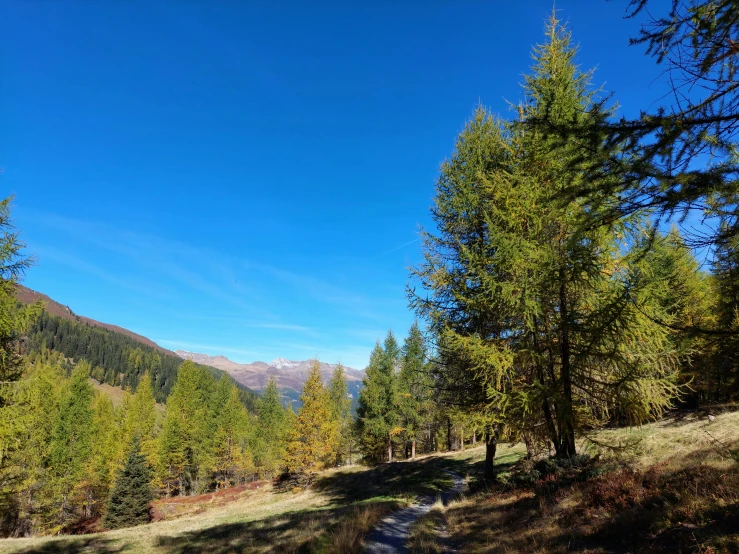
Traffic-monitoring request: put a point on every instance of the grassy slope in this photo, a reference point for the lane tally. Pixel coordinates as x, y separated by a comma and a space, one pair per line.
342, 506
673, 487
116, 395
345, 503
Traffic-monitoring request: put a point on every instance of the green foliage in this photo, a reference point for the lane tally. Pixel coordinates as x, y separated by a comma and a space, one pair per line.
232, 461
132, 494
273, 425
14, 321
544, 325
116, 359
415, 387
377, 410
341, 414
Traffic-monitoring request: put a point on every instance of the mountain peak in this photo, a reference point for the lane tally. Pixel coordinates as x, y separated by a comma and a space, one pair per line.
283, 363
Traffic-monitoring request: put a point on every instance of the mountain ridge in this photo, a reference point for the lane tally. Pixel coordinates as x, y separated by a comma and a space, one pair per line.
289, 374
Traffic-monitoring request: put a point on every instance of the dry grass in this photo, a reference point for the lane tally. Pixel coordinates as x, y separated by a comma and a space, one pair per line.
688, 502
331, 517
116, 395
675, 489
678, 439
349, 533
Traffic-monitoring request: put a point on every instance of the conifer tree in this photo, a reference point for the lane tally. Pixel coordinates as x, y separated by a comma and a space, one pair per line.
232, 460
272, 427
186, 441
71, 444
532, 309
414, 387
340, 413
377, 410
101, 465
129, 501
140, 419
14, 321
315, 434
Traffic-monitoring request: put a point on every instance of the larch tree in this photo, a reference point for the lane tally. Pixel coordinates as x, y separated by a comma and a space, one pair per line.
14, 321
139, 418
315, 435
71, 445
271, 432
341, 414
232, 461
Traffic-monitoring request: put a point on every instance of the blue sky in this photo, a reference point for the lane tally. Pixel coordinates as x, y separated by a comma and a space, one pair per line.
248, 178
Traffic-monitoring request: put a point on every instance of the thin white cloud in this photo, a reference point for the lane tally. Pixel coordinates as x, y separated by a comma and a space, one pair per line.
211, 349
399, 247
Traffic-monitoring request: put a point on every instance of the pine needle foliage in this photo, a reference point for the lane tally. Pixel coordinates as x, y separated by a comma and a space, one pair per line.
132, 493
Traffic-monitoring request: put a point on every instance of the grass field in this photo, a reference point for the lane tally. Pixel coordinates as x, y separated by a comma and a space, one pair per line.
333, 516
672, 486
675, 482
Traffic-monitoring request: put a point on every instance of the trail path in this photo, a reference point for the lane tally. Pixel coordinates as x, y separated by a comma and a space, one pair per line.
391, 535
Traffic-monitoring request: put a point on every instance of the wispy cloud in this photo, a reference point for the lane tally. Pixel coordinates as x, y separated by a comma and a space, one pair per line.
400, 246
212, 349
70, 260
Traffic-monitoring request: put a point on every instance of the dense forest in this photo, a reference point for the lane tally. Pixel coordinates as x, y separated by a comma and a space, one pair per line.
115, 359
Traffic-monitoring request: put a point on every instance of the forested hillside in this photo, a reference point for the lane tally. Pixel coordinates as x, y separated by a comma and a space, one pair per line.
114, 358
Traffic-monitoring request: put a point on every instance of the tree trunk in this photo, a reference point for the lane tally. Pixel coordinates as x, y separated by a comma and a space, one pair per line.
568, 431
389, 449
449, 434
474, 438
491, 445
413, 449
461, 438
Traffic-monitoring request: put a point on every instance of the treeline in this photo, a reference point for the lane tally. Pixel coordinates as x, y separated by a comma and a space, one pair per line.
405, 408
65, 445
114, 358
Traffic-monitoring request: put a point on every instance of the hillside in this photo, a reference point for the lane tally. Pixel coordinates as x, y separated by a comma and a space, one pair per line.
289, 375
29, 296
118, 357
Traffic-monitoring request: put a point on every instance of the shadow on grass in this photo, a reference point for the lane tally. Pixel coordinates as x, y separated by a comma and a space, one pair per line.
78, 546
424, 477
296, 532
695, 509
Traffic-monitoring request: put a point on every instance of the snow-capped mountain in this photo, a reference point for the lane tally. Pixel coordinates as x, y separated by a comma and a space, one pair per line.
289, 374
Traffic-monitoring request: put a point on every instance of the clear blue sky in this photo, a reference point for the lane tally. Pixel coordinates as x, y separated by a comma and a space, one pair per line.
248, 178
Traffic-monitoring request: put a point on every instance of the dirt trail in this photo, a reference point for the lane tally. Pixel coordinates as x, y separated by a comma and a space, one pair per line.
391, 535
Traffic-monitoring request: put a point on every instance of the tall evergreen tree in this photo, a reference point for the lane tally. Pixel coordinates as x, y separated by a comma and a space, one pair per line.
129, 501
541, 314
186, 442
377, 410
272, 428
415, 387
71, 444
14, 321
341, 413
139, 419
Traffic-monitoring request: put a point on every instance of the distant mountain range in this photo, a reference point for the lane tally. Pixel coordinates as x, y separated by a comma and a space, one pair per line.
289, 375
